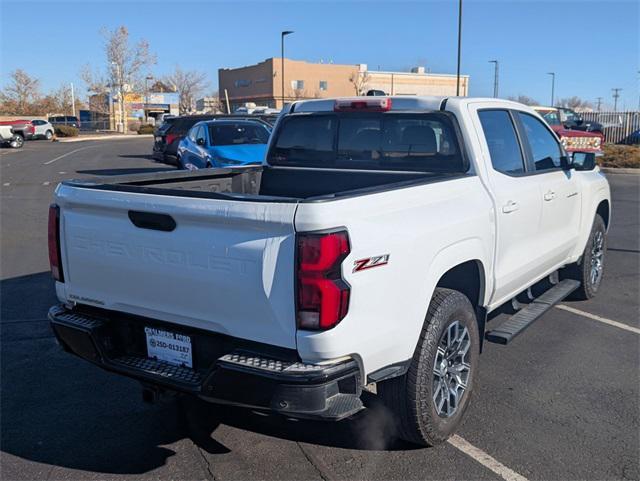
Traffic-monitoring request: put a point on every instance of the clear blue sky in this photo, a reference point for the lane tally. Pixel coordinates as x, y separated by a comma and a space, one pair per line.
592, 46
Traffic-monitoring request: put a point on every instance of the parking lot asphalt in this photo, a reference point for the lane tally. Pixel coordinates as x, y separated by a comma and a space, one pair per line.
560, 402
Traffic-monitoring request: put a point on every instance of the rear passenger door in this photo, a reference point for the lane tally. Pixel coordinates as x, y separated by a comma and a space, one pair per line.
561, 199
516, 197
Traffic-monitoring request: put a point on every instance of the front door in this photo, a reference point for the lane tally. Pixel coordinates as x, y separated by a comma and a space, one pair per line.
561, 202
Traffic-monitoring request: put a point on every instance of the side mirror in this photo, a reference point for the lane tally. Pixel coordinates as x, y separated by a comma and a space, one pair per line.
584, 160
200, 141
566, 162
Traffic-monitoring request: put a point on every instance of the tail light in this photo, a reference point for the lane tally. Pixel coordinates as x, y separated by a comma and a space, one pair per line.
368, 104
169, 138
55, 260
323, 296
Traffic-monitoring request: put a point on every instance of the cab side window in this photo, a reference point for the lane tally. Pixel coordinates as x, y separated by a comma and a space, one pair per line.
504, 148
545, 149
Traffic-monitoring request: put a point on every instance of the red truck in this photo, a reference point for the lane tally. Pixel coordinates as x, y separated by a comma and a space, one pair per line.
571, 140
23, 128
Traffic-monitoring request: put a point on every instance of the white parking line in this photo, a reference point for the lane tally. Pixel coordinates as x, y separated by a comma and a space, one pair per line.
604, 320
68, 153
483, 458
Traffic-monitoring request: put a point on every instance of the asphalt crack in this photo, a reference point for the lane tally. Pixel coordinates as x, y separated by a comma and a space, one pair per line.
206, 463
317, 464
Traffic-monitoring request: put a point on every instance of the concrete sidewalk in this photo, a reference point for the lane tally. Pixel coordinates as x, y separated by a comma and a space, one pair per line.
619, 170
82, 138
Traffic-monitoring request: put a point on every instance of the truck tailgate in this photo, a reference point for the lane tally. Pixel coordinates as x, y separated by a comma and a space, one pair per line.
227, 266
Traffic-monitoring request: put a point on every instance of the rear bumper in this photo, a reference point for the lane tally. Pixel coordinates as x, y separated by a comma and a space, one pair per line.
164, 157
241, 376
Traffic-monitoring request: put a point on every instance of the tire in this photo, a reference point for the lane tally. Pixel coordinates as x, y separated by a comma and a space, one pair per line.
179, 163
16, 142
589, 270
411, 397
48, 135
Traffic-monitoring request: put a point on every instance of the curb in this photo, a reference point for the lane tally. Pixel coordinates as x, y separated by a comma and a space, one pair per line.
104, 137
614, 170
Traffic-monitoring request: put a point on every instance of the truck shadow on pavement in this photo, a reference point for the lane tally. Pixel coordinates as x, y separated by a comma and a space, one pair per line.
62, 411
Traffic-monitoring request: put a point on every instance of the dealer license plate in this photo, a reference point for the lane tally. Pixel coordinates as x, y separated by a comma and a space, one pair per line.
169, 347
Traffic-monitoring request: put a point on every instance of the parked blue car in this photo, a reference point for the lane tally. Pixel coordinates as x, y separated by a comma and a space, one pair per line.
223, 143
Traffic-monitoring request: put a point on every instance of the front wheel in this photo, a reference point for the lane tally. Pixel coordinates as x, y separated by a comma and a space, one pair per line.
16, 142
429, 401
590, 268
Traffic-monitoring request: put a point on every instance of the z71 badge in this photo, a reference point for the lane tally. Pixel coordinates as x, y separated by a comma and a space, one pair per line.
370, 262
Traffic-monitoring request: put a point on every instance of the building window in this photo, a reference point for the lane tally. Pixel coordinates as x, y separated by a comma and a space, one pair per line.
323, 85
297, 84
242, 83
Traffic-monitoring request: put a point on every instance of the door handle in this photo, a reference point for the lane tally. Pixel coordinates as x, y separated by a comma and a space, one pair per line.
510, 206
550, 195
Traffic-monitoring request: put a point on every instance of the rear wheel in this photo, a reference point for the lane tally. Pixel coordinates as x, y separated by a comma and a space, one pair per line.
429, 401
16, 142
48, 135
590, 268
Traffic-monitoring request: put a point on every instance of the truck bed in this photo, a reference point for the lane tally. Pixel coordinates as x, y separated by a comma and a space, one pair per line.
263, 183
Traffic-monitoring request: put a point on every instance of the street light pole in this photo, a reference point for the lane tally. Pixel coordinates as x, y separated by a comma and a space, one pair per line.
119, 80
282, 35
459, 46
553, 86
146, 97
495, 78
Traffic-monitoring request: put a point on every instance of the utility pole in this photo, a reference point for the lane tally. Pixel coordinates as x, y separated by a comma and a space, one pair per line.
73, 101
495, 78
599, 99
616, 96
553, 86
459, 46
282, 35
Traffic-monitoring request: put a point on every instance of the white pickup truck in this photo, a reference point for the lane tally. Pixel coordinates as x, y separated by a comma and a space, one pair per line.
368, 250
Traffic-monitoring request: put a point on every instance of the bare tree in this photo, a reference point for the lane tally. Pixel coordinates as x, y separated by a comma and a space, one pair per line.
299, 94
188, 84
523, 99
21, 94
575, 103
125, 64
359, 81
56, 102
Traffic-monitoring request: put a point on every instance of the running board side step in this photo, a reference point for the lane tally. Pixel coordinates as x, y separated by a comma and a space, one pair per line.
533, 311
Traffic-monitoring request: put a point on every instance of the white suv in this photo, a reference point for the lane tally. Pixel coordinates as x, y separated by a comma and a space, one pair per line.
42, 129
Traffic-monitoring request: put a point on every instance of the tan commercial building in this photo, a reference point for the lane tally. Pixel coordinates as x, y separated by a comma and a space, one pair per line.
261, 84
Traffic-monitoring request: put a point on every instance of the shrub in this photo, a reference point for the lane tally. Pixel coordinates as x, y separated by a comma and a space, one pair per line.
66, 131
626, 156
146, 129
134, 126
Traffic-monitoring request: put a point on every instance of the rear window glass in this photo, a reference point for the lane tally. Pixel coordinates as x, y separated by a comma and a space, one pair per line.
241, 133
182, 125
386, 141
